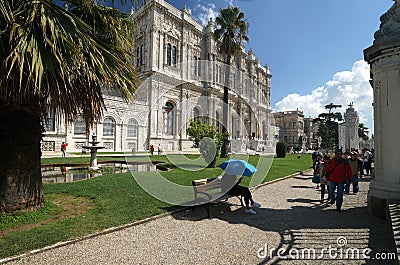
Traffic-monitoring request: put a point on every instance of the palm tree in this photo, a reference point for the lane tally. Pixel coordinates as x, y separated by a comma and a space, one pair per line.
230, 33
56, 59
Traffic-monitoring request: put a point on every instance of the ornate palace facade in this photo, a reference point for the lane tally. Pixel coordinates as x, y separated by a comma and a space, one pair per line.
182, 75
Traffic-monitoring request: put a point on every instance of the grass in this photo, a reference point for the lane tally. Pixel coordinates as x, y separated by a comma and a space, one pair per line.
76, 209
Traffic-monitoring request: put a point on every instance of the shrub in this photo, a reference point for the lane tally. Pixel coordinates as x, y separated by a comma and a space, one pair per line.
281, 149
207, 138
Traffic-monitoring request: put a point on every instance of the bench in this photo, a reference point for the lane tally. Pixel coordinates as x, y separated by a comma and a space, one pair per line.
207, 191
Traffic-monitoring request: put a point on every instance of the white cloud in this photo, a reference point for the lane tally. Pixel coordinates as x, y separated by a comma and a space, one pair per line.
230, 2
205, 12
344, 88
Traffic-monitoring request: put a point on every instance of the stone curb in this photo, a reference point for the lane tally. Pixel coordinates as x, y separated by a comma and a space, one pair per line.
118, 228
79, 239
280, 179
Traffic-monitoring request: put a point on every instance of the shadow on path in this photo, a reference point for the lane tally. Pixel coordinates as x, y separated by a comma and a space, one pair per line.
311, 225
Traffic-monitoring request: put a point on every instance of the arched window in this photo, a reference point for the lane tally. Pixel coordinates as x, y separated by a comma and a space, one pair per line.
49, 123
300, 125
216, 73
169, 118
173, 55
141, 54
132, 128
108, 127
198, 66
219, 74
194, 66
138, 57
80, 126
217, 123
196, 114
169, 54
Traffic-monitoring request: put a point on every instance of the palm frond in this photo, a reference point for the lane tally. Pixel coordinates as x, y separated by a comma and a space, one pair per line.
58, 58
231, 31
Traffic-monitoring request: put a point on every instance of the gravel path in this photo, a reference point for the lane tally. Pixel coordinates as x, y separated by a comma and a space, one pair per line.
291, 219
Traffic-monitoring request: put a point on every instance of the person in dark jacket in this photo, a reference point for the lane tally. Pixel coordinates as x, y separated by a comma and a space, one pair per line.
230, 185
338, 171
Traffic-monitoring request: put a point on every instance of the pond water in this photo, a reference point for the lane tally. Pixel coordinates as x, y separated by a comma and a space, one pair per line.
62, 174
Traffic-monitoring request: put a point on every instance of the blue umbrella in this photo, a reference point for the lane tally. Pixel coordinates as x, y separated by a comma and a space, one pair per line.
238, 167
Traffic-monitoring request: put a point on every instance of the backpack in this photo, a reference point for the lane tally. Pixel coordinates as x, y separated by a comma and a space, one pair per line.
370, 157
62, 148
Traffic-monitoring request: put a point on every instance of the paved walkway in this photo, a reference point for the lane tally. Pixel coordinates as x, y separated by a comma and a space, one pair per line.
291, 219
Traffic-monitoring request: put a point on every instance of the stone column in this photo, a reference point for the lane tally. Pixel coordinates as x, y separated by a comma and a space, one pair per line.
384, 59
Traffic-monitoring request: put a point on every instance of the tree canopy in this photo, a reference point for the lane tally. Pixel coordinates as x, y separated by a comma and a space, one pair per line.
328, 126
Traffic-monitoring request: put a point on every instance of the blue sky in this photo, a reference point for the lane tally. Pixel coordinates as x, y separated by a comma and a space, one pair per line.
314, 48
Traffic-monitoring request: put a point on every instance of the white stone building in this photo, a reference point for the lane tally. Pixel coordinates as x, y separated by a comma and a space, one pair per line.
348, 130
182, 72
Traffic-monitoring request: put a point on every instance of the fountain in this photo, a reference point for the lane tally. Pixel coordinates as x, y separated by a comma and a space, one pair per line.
93, 152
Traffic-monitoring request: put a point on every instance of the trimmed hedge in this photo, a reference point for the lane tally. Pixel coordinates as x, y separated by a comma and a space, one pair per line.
281, 148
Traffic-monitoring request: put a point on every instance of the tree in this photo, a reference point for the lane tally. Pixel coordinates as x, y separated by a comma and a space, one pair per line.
230, 33
363, 132
53, 59
328, 125
207, 138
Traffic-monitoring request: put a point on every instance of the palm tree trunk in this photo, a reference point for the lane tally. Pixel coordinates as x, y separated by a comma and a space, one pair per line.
20, 174
224, 147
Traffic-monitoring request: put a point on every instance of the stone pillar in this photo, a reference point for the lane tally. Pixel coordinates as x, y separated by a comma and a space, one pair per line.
384, 59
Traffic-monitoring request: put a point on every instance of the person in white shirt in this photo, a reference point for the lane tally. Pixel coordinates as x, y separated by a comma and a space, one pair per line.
367, 161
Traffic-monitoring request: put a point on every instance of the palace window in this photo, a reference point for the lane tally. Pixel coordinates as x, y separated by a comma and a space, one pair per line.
169, 47
108, 127
173, 55
141, 54
49, 122
132, 128
194, 65
137, 57
79, 126
196, 114
169, 118
217, 123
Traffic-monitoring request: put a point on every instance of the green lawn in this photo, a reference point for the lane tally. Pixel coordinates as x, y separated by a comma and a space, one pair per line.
75, 209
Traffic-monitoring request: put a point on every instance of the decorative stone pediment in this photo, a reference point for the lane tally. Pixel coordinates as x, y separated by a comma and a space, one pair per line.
390, 24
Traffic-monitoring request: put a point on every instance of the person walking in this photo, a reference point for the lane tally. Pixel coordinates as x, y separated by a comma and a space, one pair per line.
337, 170
151, 149
317, 169
355, 164
64, 148
367, 157
159, 149
324, 181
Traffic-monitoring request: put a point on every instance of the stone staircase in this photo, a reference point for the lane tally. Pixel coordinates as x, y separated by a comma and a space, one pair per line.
394, 212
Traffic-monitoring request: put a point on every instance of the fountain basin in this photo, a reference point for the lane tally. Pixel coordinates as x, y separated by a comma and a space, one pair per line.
77, 172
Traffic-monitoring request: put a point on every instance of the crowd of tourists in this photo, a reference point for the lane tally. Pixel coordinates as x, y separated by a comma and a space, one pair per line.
338, 173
